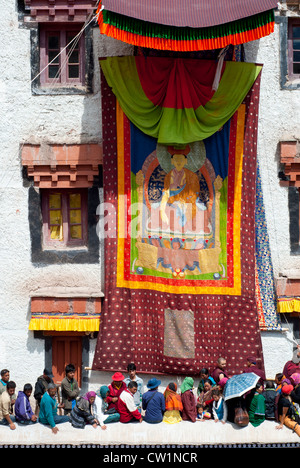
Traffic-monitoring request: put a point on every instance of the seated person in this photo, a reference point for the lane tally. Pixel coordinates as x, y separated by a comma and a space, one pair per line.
173, 404
23, 411
153, 403
6, 405
100, 408
115, 389
48, 409
82, 413
132, 376
126, 405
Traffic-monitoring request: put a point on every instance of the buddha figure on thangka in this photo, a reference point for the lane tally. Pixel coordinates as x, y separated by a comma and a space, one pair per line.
179, 228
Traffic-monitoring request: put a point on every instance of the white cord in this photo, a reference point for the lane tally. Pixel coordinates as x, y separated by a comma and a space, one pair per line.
76, 38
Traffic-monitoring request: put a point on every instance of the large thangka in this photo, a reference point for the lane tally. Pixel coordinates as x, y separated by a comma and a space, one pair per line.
178, 217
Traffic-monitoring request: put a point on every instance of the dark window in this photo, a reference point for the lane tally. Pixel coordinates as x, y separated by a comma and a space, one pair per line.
61, 55
64, 215
294, 48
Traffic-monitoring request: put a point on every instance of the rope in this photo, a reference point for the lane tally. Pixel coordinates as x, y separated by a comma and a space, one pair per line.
74, 41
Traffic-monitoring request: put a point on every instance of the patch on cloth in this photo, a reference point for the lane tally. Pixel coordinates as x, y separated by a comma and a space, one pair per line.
179, 334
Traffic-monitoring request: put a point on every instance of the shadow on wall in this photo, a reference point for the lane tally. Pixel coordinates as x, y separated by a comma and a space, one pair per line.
251, 51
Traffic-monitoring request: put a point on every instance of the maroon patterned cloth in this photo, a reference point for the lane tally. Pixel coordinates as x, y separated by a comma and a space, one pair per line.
136, 325
192, 13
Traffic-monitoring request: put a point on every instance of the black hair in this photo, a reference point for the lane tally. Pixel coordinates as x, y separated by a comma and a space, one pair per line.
269, 384
132, 384
216, 391
4, 371
172, 386
207, 381
131, 366
69, 368
27, 387
11, 384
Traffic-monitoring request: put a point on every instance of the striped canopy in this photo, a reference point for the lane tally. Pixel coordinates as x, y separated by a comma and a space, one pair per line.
194, 25
191, 13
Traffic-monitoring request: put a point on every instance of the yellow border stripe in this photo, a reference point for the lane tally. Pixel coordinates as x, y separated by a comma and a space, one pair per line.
182, 289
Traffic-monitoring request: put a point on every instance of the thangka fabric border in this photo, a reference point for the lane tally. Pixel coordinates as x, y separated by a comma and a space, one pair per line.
265, 288
136, 324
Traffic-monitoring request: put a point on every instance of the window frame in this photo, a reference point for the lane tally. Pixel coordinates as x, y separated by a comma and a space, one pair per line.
291, 23
67, 242
62, 30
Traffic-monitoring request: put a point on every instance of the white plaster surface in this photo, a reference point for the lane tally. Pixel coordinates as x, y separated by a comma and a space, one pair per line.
183, 433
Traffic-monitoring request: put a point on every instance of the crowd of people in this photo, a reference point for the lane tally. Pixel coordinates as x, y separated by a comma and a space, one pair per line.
126, 400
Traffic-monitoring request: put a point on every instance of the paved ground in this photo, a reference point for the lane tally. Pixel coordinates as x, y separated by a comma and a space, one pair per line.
144, 434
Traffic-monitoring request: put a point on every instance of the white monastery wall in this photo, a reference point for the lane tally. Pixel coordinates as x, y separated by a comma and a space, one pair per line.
25, 118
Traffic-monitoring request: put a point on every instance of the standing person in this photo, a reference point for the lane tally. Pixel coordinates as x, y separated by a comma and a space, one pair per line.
133, 377
82, 413
4, 379
115, 389
295, 394
69, 389
293, 365
42, 385
153, 402
219, 406
286, 410
270, 398
6, 406
257, 407
48, 409
173, 404
126, 405
189, 411
252, 367
23, 411
100, 408
219, 372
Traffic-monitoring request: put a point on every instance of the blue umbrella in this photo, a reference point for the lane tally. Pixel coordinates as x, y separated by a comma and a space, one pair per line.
240, 384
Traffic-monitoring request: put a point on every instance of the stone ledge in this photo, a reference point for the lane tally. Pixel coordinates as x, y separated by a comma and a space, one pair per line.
162, 434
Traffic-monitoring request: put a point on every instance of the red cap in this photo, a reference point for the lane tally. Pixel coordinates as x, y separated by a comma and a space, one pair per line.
286, 389
118, 377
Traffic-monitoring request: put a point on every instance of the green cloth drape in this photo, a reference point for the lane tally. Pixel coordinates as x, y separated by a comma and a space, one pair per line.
178, 126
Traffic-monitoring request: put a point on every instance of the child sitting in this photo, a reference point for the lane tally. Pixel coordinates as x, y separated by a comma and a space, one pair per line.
219, 407
202, 413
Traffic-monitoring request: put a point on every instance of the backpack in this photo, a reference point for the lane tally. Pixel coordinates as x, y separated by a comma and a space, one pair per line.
241, 417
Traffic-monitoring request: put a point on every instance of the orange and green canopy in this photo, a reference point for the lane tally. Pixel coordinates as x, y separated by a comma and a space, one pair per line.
187, 25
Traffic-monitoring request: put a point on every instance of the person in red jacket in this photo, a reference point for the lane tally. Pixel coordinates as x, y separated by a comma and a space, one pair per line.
293, 365
252, 367
126, 405
115, 389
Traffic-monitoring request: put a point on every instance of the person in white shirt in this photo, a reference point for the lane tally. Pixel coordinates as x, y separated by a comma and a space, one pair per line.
219, 407
100, 411
132, 377
126, 406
